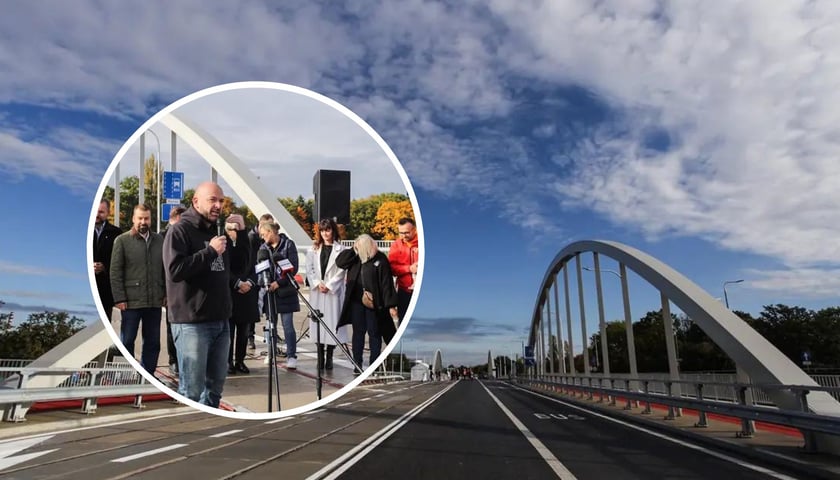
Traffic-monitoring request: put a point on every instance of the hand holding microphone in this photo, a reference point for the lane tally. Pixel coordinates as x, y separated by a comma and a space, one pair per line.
219, 244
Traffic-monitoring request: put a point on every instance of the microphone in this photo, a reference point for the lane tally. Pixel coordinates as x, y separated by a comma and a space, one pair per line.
285, 266
263, 267
219, 226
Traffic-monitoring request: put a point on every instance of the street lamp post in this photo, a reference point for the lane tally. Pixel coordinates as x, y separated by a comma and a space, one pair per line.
157, 174
589, 269
725, 297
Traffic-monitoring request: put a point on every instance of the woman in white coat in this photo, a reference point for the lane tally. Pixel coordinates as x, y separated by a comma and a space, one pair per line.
326, 289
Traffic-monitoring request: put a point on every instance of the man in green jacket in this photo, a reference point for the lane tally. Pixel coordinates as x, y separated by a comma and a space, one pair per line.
137, 282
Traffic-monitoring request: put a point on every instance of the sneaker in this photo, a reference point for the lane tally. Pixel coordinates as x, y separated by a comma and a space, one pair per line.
173, 369
291, 363
266, 361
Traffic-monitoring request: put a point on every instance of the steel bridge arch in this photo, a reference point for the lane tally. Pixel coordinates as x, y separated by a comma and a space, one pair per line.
746, 347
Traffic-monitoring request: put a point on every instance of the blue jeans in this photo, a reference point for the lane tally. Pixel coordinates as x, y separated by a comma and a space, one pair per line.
365, 321
129, 325
202, 360
289, 334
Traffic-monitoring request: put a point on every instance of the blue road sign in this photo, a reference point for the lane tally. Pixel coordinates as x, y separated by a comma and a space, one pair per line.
173, 185
166, 209
529, 355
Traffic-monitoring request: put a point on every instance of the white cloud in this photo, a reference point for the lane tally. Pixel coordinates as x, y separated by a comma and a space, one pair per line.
22, 269
804, 282
740, 99
67, 156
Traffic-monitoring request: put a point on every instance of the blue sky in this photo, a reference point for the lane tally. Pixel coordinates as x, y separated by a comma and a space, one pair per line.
704, 136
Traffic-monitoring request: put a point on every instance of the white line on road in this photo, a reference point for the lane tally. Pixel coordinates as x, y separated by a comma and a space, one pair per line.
545, 453
314, 411
191, 411
279, 420
338, 466
344, 404
225, 434
149, 453
721, 456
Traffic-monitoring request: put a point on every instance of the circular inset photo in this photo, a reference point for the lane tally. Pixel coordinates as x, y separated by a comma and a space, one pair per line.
256, 250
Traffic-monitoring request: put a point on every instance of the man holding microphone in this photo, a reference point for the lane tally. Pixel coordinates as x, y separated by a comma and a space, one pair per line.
199, 259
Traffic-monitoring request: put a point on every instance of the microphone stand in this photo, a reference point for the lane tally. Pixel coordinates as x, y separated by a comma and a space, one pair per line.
319, 317
273, 373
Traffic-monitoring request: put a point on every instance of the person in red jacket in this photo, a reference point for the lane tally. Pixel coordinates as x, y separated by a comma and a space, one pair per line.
403, 258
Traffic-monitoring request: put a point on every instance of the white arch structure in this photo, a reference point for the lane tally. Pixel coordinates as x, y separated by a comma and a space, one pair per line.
746, 347
437, 363
240, 178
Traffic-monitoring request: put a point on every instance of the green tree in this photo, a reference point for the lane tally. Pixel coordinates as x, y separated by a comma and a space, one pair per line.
37, 335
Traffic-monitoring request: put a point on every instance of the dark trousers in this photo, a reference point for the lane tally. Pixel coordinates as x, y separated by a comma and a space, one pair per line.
365, 322
170, 342
238, 341
403, 299
130, 324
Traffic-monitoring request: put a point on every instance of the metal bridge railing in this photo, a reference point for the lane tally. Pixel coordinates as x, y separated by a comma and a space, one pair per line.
87, 384
692, 394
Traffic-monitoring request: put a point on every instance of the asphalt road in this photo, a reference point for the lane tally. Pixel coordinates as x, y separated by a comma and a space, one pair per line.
467, 429
466, 434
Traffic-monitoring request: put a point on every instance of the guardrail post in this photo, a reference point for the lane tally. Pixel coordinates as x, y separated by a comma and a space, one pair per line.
747, 426
138, 402
612, 397
701, 414
590, 397
629, 404
809, 436
89, 404
646, 411
669, 390
601, 390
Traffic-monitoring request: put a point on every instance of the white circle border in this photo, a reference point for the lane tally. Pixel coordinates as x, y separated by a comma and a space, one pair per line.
241, 86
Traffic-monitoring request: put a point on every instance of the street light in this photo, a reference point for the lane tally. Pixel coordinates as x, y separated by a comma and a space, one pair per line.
588, 269
725, 297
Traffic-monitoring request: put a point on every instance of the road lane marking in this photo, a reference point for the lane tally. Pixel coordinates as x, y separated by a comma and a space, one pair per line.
545, 453
314, 411
341, 464
721, 456
149, 453
190, 411
7, 451
284, 419
225, 434
346, 404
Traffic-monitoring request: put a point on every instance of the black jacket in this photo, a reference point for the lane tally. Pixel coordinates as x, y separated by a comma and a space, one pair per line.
197, 278
245, 306
376, 276
286, 296
102, 249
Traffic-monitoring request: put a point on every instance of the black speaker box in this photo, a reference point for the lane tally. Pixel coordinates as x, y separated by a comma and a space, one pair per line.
332, 195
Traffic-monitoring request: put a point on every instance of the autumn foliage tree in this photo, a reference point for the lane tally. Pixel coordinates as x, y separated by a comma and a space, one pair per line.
388, 217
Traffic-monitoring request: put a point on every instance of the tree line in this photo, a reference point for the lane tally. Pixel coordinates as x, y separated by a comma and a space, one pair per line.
794, 330
376, 215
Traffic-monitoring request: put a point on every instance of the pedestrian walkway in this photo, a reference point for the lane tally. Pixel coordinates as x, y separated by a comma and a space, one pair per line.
249, 392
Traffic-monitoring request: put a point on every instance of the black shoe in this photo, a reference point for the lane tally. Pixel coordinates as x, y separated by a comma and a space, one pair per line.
240, 367
231, 369
251, 345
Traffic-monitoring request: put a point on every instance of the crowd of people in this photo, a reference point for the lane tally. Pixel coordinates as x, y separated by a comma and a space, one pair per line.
205, 275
